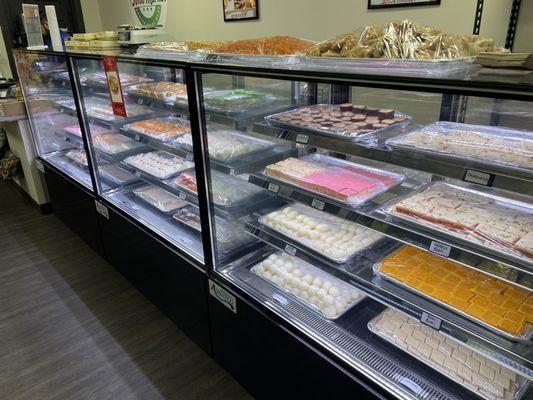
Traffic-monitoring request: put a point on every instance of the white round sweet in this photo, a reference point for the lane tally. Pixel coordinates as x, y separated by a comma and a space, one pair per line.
318, 282
329, 300
297, 272
330, 312
326, 285
308, 278
334, 291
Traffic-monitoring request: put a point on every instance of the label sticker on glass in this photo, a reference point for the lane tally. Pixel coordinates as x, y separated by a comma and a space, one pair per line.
189, 156
140, 101
478, 177
408, 383
441, 249
183, 196
319, 205
431, 320
138, 138
301, 138
289, 249
280, 299
232, 172
39, 165
222, 295
138, 174
273, 187
101, 209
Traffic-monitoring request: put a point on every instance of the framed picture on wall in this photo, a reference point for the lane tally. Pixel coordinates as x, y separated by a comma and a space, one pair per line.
238, 10
373, 4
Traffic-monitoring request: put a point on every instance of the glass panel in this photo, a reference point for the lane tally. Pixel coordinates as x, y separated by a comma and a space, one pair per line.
358, 213
139, 158
46, 84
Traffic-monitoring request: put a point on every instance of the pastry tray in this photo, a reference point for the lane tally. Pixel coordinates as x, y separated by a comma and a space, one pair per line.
132, 90
110, 177
329, 162
377, 271
445, 127
237, 110
522, 383
388, 208
76, 161
325, 219
315, 272
129, 128
185, 166
364, 137
254, 196
136, 147
180, 203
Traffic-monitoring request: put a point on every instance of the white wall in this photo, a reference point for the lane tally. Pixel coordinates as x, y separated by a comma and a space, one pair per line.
312, 19
91, 15
5, 69
524, 33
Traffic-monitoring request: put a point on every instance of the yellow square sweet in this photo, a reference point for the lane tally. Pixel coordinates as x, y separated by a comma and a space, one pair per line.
511, 326
491, 318
480, 301
516, 294
476, 311
463, 295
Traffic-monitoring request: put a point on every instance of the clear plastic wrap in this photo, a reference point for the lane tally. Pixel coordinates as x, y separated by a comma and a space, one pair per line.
100, 79
493, 303
158, 164
160, 199
350, 183
502, 224
162, 129
348, 120
173, 51
117, 175
100, 109
236, 101
227, 191
167, 91
95, 130
227, 145
114, 144
78, 156
454, 360
488, 144
335, 238
275, 45
324, 293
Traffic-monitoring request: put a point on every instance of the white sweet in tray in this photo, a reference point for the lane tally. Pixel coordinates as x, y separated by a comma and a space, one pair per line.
157, 164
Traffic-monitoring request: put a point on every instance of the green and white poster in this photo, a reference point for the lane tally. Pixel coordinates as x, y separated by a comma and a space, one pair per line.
148, 12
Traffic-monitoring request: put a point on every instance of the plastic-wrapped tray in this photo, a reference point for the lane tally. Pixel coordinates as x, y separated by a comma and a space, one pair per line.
230, 237
114, 144
343, 181
103, 111
166, 91
486, 144
158, 164
78, 156
454, 360
490, 220
347, 121
160, 199
228, 192
161, 129
324, 293
237, 101
117, 175
99, 79
492, 303
76, 130
332, 237
227, 145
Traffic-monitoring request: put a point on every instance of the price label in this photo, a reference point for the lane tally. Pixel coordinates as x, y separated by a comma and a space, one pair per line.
189, 157
101, 209
319, 205
222, 295
39, 165
408, 383
289, 249
478, 177
431, 320
138, 174
140, 101
138, 138
441, 249
232, 172
280, 299
273, 187
183, 196
301, 138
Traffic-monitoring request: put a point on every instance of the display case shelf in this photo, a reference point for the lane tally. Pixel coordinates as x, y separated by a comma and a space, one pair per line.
517, 355
499, 176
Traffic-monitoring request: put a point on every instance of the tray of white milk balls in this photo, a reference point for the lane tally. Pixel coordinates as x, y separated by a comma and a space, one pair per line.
325, 293
335, 238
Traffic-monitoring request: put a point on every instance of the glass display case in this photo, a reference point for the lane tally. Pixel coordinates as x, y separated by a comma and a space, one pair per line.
396, 230
46, 86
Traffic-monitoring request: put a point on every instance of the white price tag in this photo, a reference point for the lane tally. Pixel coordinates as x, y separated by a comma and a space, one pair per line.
138, 138
301, 138
280, 299
290, 250
222, 295
140, 101
138, 174
273, 187
408, 383
189, 157
39, 165
183, 196
232, 172
441, 249
480, 178
319, 205
102, 210
431, 320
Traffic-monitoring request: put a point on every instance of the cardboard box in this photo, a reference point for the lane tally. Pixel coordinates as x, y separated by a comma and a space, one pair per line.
11, 107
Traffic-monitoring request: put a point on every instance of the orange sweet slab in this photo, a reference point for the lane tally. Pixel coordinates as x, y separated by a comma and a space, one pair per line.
463, 295
492, 319
498, 299
511, 326
476, 311
497, 310
516, 294
480, 301
459, 304
527, 311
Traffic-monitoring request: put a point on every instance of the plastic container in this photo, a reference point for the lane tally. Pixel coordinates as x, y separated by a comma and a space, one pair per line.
76, 130
342, 181
485, 144
160, 199
167, 91
103, 111
324, 293
228, 192
114, 144
334, 238
161, 129
467, 292
237, 101
227, 145
117, 175
347, 121
454, 360
490, 220
78, 156
158, 164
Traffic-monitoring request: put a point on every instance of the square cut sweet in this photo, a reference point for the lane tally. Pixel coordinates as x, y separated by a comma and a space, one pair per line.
525, 245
